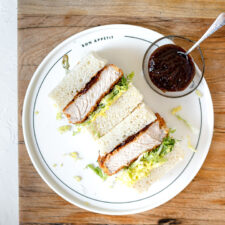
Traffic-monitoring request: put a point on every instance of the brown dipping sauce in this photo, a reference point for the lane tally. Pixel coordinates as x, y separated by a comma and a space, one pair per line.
170, 70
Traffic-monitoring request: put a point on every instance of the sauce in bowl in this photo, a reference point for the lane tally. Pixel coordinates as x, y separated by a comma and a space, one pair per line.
169, 69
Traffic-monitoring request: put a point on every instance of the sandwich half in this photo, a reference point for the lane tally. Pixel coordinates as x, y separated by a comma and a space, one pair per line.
89, 89
131, 147
139, 149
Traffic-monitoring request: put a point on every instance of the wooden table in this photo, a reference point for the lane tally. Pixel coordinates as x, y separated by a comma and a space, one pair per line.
42, 25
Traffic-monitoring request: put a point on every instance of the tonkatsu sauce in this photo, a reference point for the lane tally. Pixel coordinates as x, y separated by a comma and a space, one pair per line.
169, 69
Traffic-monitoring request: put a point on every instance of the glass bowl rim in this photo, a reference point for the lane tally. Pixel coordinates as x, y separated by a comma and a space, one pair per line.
184, 38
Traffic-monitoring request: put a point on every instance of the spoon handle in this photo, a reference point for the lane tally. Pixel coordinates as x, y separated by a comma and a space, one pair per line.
218, 23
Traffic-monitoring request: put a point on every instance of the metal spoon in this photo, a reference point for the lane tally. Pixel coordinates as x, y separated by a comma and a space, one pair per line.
218, 23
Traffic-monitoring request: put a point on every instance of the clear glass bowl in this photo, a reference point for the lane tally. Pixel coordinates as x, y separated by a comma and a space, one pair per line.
196, 56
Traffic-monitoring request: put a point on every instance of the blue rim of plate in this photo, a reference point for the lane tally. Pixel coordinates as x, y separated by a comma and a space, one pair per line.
90, 198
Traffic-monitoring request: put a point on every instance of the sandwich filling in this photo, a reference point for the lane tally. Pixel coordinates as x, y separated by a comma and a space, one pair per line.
87, 100
147, 139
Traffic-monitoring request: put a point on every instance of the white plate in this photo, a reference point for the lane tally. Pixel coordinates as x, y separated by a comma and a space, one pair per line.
123, 45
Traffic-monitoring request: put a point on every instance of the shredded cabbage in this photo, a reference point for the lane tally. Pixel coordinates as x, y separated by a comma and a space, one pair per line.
74, 155
77, 178
193, 129
98, 171
199, 93
171, 131
64, 129
59, 116
77, 131
174, 112
176, 109
190, 146
142, 167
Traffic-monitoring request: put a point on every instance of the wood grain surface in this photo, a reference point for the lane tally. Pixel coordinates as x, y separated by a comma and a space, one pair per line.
42, 25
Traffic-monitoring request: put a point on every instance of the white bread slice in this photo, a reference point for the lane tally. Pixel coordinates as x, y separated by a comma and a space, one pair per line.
76, 79
116, 112
173, 158
133, 123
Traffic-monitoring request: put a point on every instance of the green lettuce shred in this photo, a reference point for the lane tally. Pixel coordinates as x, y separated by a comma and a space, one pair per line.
59, 116
174, 112
171, 131
65, 62
65, 128
98, 171
193, 129
199, 93
77, 131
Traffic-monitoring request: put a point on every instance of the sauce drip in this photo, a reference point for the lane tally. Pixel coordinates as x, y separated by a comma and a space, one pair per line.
170, 70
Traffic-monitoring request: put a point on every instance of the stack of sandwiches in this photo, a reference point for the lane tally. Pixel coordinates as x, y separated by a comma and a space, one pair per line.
101, 98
